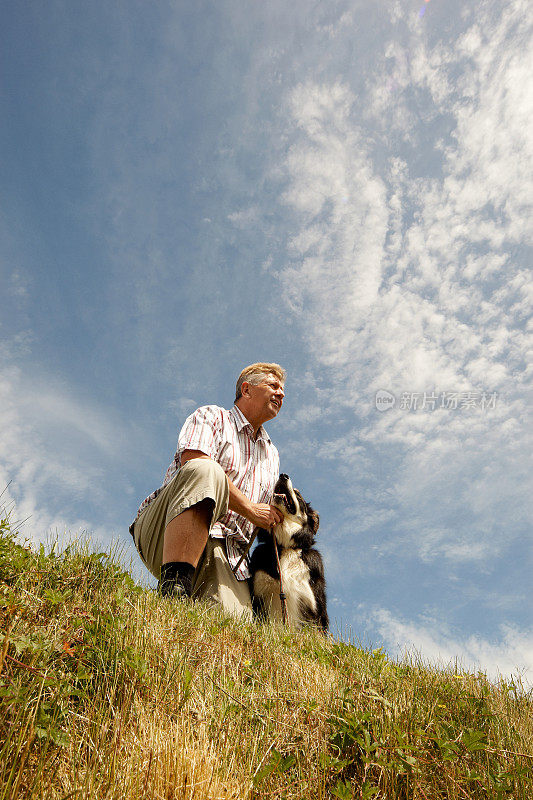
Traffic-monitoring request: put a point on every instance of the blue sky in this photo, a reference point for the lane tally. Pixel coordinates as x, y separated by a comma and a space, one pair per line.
344, 188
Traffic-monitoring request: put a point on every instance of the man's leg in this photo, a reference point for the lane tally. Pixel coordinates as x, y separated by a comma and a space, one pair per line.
186, 535
174, 527
184, 542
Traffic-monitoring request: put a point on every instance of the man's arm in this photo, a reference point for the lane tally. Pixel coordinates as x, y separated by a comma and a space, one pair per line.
262, 515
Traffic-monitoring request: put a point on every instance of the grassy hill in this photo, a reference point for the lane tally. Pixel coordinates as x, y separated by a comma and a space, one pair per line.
107, 691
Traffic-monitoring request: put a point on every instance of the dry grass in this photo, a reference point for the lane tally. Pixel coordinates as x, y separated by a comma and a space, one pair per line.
109, 692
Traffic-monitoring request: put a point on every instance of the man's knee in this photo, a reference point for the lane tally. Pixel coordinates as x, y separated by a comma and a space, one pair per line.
200, 485
203, 467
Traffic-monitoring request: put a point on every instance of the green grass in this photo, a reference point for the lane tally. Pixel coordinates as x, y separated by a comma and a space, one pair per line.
107, 691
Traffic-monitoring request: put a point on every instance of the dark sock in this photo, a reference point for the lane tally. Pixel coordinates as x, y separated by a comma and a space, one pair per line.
176, 578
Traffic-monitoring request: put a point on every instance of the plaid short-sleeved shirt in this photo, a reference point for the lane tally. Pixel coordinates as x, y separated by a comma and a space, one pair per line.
252, 465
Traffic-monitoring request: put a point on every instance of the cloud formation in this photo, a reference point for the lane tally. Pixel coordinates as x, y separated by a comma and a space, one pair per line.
55, 450
417, 282
510, 654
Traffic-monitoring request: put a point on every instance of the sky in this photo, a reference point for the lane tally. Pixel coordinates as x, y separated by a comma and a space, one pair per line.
342, 187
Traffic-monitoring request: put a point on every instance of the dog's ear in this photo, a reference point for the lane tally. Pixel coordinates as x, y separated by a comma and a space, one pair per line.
312, 518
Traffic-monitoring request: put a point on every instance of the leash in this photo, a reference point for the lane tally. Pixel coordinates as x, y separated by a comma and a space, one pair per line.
246, 549
282, 595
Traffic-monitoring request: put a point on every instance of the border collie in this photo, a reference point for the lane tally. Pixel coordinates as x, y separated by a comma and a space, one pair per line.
301, 565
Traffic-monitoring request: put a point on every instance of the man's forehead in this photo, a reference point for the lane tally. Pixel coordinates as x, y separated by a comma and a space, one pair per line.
271, 377
267, 378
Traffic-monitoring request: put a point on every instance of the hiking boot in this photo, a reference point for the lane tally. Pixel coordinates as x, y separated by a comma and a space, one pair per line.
173, 589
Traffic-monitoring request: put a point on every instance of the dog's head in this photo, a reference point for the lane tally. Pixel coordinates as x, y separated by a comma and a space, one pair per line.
300, 520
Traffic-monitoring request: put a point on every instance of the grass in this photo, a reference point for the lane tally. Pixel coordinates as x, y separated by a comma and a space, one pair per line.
107, 691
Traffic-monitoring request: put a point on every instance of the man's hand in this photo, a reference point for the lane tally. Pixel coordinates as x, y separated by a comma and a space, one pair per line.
264, 516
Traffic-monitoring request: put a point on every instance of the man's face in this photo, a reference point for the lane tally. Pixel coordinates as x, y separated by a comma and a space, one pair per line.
265, 399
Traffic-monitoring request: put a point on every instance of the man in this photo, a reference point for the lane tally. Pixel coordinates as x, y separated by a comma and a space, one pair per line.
192, 531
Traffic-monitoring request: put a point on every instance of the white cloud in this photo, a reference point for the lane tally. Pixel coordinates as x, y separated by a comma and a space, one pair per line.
55, 450
244, 219
337, 253
510, 655
181, 407
415, 284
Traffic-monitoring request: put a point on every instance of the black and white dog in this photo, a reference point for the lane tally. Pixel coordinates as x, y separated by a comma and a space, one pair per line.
301, 565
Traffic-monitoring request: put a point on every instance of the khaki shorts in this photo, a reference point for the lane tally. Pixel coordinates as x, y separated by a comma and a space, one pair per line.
214, 581
198, 479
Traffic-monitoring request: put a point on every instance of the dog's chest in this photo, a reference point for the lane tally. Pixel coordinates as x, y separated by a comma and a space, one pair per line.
296, 587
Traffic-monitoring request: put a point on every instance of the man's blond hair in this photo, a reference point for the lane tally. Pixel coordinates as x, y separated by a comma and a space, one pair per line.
255, 373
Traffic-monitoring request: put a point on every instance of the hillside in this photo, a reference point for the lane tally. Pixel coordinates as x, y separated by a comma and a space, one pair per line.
107, 691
